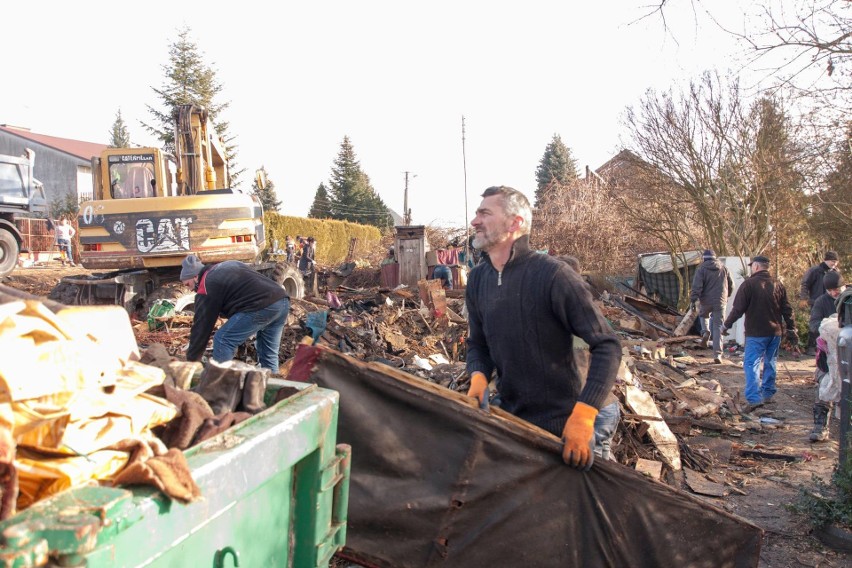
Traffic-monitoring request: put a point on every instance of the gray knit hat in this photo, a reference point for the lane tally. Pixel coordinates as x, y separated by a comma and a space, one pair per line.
190, 267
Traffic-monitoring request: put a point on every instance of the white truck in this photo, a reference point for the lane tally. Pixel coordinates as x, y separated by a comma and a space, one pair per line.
20, 193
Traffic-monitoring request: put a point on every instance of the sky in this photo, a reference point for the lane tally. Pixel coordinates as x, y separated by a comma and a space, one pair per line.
395, 77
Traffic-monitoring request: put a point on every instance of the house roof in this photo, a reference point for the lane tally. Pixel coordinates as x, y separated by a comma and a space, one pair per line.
76, 148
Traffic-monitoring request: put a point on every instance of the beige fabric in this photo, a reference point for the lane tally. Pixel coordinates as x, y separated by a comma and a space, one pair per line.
71, 386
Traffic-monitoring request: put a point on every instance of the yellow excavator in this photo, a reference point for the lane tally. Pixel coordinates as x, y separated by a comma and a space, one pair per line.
150, 209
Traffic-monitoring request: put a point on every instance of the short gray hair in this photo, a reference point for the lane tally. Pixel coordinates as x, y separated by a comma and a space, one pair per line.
514, 203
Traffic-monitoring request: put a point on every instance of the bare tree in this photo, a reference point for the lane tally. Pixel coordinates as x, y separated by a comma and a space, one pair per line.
716, 150
581, 219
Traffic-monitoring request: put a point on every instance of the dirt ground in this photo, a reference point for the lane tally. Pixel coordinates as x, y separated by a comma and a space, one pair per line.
40, 279
768, 486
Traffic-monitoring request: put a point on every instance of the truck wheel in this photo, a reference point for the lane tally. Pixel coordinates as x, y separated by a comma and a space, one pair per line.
176, 293
9, 250
289, 277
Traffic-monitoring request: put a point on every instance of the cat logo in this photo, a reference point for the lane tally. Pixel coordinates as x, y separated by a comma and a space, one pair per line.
163, 235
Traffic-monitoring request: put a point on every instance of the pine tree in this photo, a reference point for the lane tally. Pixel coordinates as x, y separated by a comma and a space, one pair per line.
189, 80
351, 195
556, 168
119, 135
321, 207
265, 194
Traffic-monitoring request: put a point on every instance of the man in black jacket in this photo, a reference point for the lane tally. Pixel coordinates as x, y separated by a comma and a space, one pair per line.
813, 287
764, 302
711, 286
524, 308
252, 303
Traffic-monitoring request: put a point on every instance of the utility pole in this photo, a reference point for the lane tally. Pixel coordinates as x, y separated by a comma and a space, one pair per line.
466, 218
406, 212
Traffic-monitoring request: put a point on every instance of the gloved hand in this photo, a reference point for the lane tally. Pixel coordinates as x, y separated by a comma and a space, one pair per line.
723, 331
692, 305
579, 437
478, 385
793, 337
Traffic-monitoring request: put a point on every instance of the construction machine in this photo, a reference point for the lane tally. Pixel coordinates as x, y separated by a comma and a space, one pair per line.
20, 193
150, 209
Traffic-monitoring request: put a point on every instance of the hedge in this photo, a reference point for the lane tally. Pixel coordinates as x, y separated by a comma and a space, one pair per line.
332, 236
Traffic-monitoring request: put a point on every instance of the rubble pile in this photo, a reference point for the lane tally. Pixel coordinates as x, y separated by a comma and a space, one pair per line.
668, 406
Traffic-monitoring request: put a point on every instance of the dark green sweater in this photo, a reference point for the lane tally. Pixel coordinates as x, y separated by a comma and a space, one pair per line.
521, 322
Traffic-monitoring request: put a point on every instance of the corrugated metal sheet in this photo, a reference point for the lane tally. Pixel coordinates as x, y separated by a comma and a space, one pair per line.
662, 262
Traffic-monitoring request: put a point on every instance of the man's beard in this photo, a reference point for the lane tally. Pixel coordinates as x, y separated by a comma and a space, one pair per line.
486, 239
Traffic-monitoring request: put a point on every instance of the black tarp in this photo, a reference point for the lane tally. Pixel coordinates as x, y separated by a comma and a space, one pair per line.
437, 482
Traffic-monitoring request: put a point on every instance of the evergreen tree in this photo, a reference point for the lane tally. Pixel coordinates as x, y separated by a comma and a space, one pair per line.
321, 207
119, 135
189, 80
556, 168
265, 194
351, 195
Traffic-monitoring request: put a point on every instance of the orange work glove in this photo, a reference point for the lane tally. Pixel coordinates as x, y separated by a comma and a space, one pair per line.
579, 437
478, 384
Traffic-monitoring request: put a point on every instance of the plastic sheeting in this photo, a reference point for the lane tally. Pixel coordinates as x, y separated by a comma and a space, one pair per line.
438, 482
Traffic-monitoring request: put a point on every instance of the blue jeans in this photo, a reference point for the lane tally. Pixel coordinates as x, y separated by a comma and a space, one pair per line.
267, 324
65, 245
606, 423
760, 350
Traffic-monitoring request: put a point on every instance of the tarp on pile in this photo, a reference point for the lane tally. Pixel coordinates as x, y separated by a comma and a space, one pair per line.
655, 272
437, 482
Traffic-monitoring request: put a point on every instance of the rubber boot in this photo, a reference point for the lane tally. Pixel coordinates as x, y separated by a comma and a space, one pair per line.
822, 410
253, 391
221, 386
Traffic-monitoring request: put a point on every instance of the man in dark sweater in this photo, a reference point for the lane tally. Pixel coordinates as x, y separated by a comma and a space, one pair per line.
812, 288
764, 302
524, 308
711, 286
252, 303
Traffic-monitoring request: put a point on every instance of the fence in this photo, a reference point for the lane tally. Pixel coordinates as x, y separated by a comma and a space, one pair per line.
38, 240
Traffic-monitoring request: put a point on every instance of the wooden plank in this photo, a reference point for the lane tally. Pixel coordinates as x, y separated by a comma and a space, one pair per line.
687, 321
699, 484
640, 402
650, 468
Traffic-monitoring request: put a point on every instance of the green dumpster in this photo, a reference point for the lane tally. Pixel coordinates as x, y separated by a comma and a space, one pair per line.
274, 493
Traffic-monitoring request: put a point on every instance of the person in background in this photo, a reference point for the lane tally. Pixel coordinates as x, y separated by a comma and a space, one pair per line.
290, 247
253, 304
524, 309
825, 377
711, 286
64, 233
443, 273
763, 301
812, 288
307, 260
390, 258
606, 422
